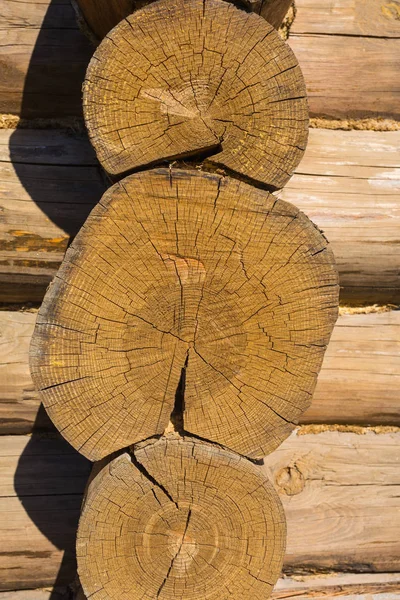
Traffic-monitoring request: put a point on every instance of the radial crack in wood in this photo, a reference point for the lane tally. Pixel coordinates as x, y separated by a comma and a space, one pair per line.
182, 269
179, 78
195, 521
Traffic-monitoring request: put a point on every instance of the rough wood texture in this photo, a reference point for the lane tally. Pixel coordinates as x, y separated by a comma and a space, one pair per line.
102, 15
341, 495
49, 182
274, 11
40, 496
359, 381
360, 378
349, 53
347, 511
203, 522
321, 37
348, 183
185, 276
345, 586
223, 83
19, 402
43, 59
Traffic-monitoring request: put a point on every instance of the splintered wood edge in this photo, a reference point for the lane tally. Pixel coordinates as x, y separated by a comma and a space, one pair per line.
242, 103
199, 517
167, 261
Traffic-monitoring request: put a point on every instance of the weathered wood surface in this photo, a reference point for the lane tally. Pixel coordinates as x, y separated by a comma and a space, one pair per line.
349, 53
341, 497
152, 288
359, 382
360, 378
131, 98
343, 511
43, 59
41, 491
49, 182
45, 56
188, 509
102, 15
345, 586
348, 183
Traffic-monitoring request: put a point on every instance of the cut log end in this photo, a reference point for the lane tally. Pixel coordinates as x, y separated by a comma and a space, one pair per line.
213, 79
190, 282
180, 519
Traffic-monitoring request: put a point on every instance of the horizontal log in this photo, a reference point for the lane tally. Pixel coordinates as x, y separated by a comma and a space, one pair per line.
341, 496
49, 182
340, 491
44, 59
359, 382
348, 183
348, 51
41, 489
347, 586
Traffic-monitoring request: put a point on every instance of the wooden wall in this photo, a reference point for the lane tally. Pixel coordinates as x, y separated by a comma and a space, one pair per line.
338, 474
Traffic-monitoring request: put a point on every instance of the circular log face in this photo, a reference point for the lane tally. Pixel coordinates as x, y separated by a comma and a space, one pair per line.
185, 271
179, 78
192, 522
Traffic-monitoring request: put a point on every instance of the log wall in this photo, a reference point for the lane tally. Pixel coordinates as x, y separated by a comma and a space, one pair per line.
348, 183
349, 54
45, 56
333, 486
340, 489
359, 382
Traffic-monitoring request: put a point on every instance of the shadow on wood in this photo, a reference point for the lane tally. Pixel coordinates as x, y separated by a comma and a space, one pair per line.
51, 89
49, 481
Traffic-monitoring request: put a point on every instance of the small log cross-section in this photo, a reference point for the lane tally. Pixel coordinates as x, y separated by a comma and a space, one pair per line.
191, 282
179, 78
180, 519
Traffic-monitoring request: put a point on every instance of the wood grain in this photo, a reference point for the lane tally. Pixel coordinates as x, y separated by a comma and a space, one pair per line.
43, 59
344, 586
40, 495
49, 182
181, 275
348, 183
196, 91
204, 522
342, 511
358, 383
340, 492
349, 53
360, 378
37, 82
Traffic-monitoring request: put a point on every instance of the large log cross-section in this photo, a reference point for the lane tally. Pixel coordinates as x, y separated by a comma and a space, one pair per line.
182, 337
